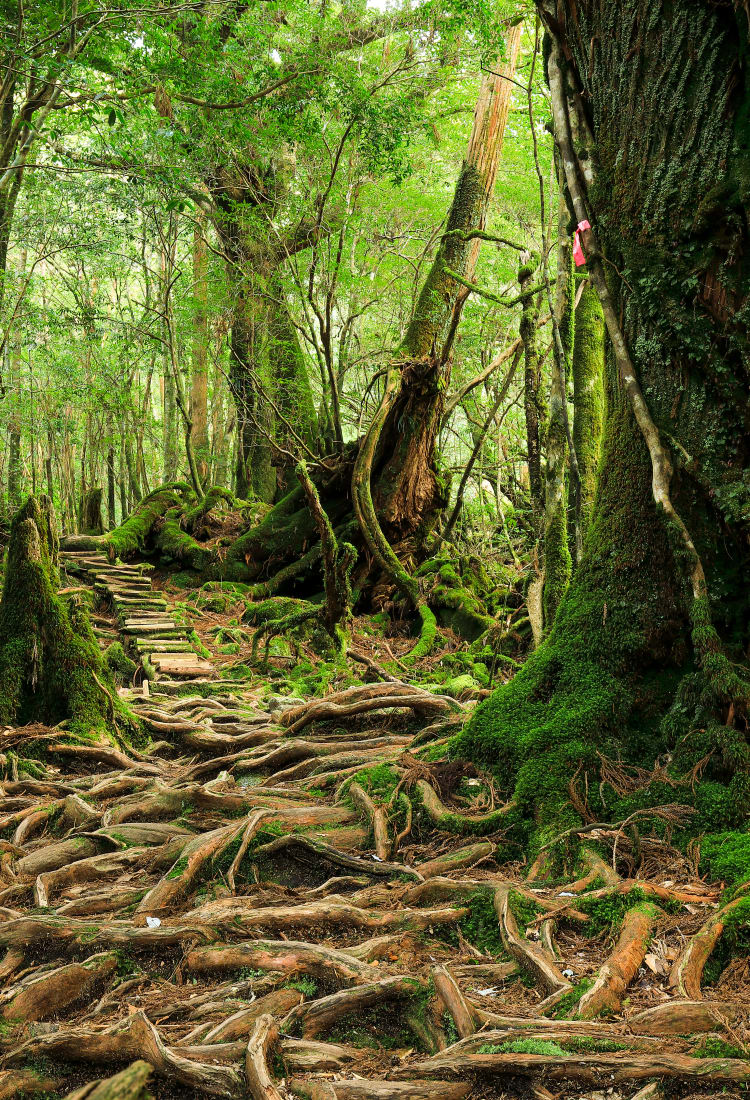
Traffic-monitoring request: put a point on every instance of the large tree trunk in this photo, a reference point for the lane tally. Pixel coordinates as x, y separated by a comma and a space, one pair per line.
633, 667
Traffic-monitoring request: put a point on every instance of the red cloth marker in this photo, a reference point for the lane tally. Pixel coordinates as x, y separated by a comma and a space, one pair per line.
578, 254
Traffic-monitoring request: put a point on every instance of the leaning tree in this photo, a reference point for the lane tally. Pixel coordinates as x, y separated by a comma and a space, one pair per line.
645, 662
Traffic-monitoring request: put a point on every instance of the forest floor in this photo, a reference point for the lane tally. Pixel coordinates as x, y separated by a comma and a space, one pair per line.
295, 897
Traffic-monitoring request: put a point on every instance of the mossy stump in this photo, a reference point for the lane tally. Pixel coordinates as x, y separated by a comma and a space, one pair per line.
51, 669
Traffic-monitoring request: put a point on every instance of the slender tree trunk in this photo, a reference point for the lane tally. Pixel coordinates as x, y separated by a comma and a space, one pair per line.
399, 451
14, 424
535, 412
557, 558
588, 399
199, 380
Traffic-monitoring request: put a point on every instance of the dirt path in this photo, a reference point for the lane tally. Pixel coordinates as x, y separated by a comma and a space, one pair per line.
289, 901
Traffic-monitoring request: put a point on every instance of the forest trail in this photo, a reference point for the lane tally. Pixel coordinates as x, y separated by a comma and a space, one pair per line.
255, 908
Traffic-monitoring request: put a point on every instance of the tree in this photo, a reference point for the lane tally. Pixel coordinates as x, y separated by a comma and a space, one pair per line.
647, 652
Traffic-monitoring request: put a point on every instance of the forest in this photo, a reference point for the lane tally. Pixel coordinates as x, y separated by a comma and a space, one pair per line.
375, 549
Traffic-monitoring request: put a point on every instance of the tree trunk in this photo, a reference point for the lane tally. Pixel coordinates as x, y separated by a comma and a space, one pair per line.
535, 412
557, 559
409, 495
199, 380
51, 667
588, 399
14, 425
633, 667
90, 520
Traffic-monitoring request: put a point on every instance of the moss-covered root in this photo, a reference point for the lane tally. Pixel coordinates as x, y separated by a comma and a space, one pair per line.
133, 534
51, 668
618, 971
688, 969
453, 822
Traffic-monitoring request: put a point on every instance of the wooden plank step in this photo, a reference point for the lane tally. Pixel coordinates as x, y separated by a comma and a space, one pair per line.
178, 664
163, 645
144, 629
144, 604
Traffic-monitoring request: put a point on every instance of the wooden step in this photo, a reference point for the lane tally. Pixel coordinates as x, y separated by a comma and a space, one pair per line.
145, 604
163, 645
181, 664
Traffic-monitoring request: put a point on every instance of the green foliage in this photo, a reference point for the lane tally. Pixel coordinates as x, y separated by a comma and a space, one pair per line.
714, 1047
525, 1046
726, 856
307, 986
480, 926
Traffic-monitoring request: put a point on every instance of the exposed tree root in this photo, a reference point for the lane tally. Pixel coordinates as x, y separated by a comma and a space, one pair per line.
201, 899
620, 968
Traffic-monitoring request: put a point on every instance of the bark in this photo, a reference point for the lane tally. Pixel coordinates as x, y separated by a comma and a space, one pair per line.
641, 639
51, 667
557, 560
588, 402
90, 521
533, 403
14, 423
199, 378
409, 493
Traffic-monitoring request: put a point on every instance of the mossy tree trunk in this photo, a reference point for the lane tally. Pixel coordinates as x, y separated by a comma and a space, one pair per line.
588, 401
199, 372
267, 371
51, 668
557, 558
632, 666
90, 521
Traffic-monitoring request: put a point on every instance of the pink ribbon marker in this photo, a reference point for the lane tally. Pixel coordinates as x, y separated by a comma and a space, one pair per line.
578, 254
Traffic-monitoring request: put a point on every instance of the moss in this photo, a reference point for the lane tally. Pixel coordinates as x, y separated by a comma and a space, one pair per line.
714, 1047
380, 781
480, 926
132, 536
307, 986
176, 544
120, 666
177, 870
606, 913
51, 667
726, 856
525, 1046
588, 396
569, 1001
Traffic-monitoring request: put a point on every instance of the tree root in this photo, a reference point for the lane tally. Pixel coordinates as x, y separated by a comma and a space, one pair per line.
259, 1083
315, 1017
136, 1038
688, 969
377, 818
591, 1069
621, 967
287, 957
532, 957
360, 700
452, 821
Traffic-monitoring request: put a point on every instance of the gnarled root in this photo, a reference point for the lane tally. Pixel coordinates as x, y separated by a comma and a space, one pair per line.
621, 967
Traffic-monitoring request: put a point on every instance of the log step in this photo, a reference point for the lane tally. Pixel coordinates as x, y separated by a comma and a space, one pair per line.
181, 664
